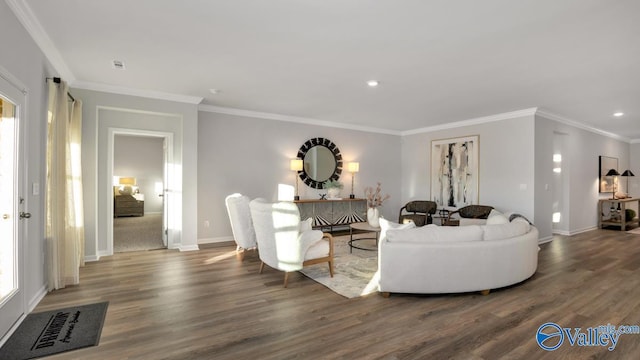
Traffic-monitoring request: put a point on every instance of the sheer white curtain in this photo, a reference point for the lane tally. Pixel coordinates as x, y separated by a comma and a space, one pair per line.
64, 228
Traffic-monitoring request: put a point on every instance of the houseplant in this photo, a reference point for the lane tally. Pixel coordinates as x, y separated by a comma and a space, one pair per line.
333, 188
375, 199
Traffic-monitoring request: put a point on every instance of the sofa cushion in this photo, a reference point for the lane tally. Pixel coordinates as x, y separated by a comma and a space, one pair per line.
505, 231
386, 225
306, 225
496, 218
434, 234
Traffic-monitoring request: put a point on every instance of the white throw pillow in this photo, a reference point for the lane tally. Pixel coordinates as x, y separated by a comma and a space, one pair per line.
386, 225
306, 225
496, 218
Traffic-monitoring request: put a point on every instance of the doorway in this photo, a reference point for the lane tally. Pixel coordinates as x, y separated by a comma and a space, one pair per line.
138, 163
12, 206
139, 170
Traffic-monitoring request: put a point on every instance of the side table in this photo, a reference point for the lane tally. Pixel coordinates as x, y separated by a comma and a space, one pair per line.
365, 227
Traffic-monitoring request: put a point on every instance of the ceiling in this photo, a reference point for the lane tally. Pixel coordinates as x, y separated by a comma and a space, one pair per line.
437, 61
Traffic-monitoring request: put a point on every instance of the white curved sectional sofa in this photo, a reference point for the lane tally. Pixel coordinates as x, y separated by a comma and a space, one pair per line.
434, 259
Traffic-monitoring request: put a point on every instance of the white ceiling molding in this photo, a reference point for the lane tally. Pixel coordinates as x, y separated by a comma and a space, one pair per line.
24, 13
293, 119
550, 116
635, 141
136, 92
475, 121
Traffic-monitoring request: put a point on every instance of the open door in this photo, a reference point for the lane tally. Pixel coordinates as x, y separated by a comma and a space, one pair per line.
164, 192
12, 207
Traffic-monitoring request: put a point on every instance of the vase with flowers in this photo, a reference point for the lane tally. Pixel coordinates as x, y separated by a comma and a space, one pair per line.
375, 199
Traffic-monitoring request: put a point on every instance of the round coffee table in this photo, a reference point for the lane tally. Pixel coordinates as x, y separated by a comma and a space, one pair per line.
365, 227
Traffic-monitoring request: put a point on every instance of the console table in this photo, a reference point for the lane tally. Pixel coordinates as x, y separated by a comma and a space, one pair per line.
616, 217
331, 213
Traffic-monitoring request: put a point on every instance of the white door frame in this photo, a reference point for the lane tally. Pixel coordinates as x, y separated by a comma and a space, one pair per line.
14, 307
169, 232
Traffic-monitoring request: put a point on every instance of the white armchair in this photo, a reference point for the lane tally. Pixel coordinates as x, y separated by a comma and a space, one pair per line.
285, 243
241, 224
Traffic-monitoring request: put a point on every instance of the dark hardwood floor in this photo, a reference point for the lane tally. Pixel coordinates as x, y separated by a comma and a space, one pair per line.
164, 304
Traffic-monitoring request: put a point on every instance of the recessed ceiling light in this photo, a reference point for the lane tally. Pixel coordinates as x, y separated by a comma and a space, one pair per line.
618, 114
215, 91
373, 83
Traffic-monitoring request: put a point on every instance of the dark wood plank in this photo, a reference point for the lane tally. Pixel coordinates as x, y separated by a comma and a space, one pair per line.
164, 304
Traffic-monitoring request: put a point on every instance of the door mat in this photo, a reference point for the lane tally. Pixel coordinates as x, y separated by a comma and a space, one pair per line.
52, 332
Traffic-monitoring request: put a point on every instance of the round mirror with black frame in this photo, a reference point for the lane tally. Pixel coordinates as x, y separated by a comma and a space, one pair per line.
322, 162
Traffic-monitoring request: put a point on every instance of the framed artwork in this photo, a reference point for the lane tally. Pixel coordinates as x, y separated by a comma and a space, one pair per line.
454, 171
605, 164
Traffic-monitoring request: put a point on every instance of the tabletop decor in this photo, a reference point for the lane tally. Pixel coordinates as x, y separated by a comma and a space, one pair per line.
375, 199
333, 188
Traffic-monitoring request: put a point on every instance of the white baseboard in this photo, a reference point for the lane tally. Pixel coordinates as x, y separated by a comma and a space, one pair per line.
580, 231
545, 240
91, 258
216, 240
189, 248
35, 300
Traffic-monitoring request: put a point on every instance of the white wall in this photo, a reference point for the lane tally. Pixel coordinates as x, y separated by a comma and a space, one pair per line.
506, 163
141, 157
251, 156
580, 164
22, 60
102, 111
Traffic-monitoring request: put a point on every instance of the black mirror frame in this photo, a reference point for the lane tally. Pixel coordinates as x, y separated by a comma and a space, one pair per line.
336, 155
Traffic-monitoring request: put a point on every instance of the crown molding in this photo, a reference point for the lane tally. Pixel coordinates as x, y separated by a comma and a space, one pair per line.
475, 121
635, 141
26, 17
293, 119
550, 116
136, 92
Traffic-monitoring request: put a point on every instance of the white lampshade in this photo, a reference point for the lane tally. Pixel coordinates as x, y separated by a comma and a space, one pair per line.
353, 167
296, 164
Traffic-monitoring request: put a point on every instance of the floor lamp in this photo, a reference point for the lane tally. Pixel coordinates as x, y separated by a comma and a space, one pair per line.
353, 168
296, 165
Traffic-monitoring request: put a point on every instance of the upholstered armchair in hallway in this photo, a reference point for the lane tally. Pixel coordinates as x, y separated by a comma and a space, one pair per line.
284, 242
418, 211
241, 224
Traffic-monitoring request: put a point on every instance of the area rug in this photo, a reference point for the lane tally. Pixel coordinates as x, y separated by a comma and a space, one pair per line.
355, 274
635, 231
52, 332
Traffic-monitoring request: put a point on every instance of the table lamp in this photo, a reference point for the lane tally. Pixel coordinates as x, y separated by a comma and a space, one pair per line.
296, 165
614, 173
353, 168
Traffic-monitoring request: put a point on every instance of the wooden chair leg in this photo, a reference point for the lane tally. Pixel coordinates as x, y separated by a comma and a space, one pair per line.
261, 267
331, 268
240, 254
286, 278
485, 292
